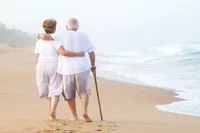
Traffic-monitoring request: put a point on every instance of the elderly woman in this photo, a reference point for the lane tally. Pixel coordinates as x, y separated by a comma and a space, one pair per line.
47, 78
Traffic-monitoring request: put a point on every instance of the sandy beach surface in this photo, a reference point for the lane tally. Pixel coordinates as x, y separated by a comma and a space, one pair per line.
126, 108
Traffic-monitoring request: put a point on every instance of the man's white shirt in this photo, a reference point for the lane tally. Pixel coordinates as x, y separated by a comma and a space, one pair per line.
74, 41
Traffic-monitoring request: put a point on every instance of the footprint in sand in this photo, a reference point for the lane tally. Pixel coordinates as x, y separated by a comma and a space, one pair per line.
113, 125
72, 131
99, 126
57, 129
64, 124
98, 130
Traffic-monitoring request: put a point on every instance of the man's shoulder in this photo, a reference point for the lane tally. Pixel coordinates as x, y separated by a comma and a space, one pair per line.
58, 33
82, 34
75, 32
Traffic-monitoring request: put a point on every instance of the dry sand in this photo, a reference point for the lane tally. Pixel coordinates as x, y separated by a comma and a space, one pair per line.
126, 108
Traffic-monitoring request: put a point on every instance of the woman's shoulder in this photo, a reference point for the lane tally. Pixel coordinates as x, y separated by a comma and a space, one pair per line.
47, 41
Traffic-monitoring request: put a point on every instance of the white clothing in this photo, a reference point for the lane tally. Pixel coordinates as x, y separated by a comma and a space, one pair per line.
48, 80
47, 50
74, 41
77, 82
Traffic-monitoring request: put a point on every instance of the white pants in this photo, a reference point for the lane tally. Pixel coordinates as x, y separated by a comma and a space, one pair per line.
48, 80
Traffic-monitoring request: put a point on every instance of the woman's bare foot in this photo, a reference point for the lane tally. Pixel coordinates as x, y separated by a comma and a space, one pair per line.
52, 117
74, 118
87, 118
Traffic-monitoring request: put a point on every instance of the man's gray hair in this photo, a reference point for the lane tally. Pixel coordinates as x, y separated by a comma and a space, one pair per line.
72, 24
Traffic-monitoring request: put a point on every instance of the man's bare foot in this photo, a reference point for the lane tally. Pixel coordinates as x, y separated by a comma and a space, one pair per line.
87, 118
52, 117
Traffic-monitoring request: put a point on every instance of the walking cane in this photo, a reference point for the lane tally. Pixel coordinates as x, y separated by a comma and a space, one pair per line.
95, 80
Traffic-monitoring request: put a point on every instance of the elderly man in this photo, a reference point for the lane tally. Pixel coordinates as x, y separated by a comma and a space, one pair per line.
75, 70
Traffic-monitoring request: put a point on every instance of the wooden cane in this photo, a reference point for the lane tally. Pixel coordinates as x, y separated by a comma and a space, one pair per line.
95, 80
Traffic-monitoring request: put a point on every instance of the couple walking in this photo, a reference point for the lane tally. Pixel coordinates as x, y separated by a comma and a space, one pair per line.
63, 67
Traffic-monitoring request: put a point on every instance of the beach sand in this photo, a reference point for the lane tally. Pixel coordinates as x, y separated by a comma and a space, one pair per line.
127, 108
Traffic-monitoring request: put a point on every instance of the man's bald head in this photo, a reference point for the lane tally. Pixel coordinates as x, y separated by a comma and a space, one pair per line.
72, 24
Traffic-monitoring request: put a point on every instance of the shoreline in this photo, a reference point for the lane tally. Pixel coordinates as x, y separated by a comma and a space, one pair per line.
149, 86
142, 84
126, 107
162, 107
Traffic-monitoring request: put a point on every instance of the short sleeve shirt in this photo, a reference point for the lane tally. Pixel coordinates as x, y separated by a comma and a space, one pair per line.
47, 50
76, 42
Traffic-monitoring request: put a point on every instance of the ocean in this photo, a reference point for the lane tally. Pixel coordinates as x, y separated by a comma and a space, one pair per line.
170, 66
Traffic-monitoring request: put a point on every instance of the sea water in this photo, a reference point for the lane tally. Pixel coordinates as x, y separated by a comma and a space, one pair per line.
175, 66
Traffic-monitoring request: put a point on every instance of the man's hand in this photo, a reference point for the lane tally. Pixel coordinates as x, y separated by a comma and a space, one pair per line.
93, 69
45, 37
92, 62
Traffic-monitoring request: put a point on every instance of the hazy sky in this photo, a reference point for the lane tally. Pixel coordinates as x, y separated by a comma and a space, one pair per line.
111, 22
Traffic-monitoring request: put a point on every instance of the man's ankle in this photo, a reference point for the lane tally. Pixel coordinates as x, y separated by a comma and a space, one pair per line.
74, 115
